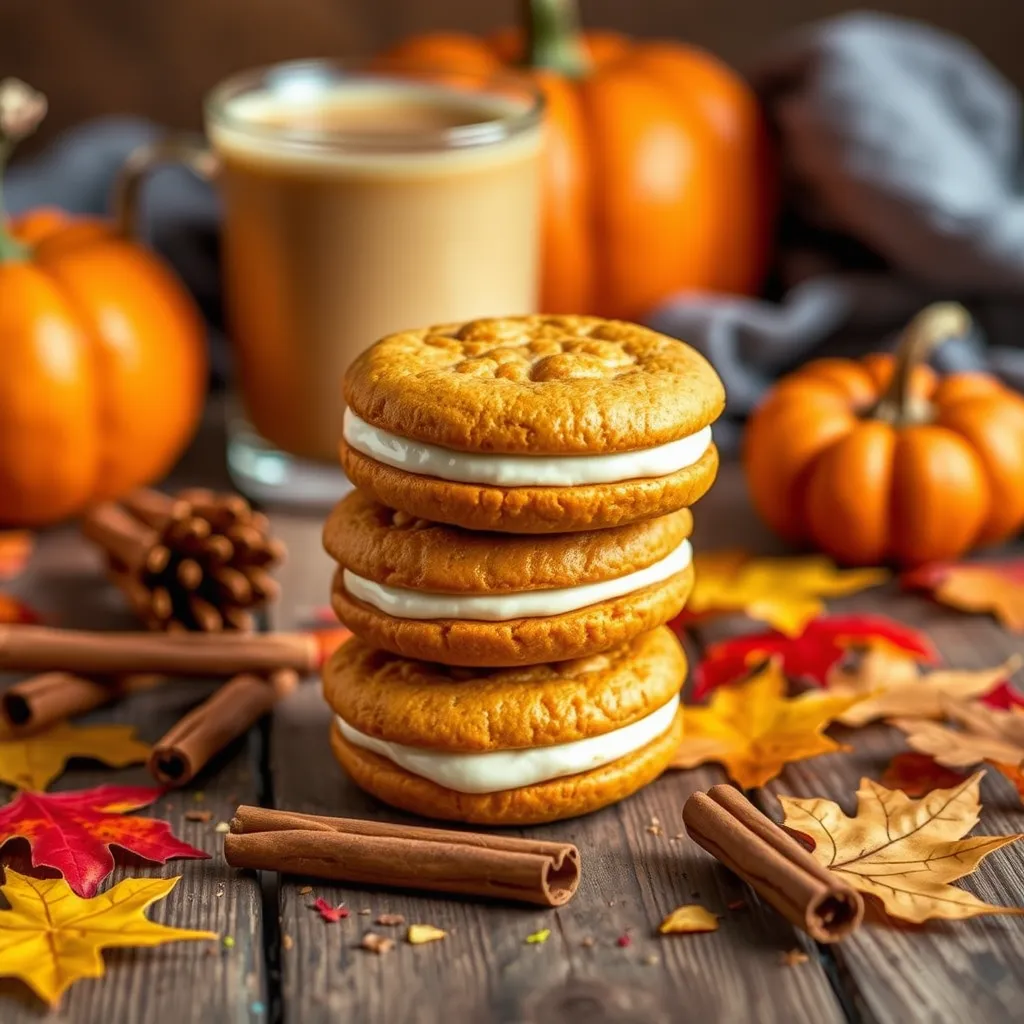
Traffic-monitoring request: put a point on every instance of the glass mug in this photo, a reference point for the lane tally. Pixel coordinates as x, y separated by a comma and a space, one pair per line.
358, 200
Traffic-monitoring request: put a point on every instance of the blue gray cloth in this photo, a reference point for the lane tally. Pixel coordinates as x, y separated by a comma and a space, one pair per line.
904, 183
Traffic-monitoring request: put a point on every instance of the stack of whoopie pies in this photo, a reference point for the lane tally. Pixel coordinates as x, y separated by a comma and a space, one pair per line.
517, 540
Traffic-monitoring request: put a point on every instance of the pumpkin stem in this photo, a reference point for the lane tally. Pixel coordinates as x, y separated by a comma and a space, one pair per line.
21, 110
933, 325
552, 31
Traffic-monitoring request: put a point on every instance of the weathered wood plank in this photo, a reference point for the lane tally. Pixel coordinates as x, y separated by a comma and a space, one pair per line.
970, 970
484, 970
193, 982
965, 970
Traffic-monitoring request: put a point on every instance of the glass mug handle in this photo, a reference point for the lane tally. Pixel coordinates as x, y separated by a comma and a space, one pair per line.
190, 151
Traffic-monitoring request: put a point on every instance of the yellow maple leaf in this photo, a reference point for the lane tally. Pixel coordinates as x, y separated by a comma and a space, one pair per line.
784, 592
691, 917
420, 933
890, 684
984, 734
754, 730
902, 851
33, 762
50, 937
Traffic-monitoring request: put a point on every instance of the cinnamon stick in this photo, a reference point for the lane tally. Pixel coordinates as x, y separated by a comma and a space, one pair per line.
34, 703
209, 728
43, 649
403, 856
726, 824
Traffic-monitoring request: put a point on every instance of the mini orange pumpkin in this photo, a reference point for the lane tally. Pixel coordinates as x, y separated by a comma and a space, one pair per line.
102, 358
881, 460
658, 175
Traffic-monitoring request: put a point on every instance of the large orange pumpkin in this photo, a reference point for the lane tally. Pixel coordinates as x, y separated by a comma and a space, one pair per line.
881, 460
657, 177
102, 367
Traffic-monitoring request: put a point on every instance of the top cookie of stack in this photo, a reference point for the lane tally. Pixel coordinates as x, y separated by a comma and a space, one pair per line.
534, 424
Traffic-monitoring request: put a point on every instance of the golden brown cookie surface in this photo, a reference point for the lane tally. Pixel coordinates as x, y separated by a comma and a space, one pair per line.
565, 797
401, 550
438, 707
520, 641
530, 510
535, 385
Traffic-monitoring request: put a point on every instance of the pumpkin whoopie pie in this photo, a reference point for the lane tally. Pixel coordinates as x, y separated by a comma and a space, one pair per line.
507, 746
532, 424
441, 593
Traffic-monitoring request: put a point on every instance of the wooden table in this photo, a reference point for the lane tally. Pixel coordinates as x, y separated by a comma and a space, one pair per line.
286, 964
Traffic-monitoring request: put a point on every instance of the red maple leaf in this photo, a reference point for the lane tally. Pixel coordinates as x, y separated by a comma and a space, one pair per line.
1004, 697
810, 655
14, 611
918, 774
329, 913
73, 832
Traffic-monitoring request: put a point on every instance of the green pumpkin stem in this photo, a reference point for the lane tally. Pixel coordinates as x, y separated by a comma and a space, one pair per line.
552, 32
933, 325
21, 110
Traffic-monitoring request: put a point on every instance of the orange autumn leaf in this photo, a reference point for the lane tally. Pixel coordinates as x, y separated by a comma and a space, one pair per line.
33, 762
15, 551
916, 774
787, 593
889, 684
687, 919
50, 937
978, 587
901, 851
754, 730
1014, 773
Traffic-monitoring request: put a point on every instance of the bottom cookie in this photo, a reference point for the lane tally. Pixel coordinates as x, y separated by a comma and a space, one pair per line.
566, 797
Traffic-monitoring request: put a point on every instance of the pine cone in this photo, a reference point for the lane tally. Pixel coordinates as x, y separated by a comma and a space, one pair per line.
197, 561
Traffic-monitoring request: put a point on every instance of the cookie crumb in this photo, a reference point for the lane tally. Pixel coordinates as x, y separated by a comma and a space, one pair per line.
794, 957
588, 942
202, 816
651, 959
654, 827
365, 912
377, 943
305, 890
287, 942
222, 827
389, 920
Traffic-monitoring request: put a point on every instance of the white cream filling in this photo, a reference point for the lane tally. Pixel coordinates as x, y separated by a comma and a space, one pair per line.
497, 770
529, 604
522, 470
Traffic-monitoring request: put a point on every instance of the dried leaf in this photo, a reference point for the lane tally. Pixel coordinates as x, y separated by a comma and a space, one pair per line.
891, 684
985, 734
538, 938
50, 937
902, 851
917, 774
15, 612
754, 730
691, 917
15, 551
811, 654
73, 832
784, 592
329, 913
995, 587
421, 933
35, 761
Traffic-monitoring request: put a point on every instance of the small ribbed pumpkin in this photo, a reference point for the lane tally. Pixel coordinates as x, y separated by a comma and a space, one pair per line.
881, 460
